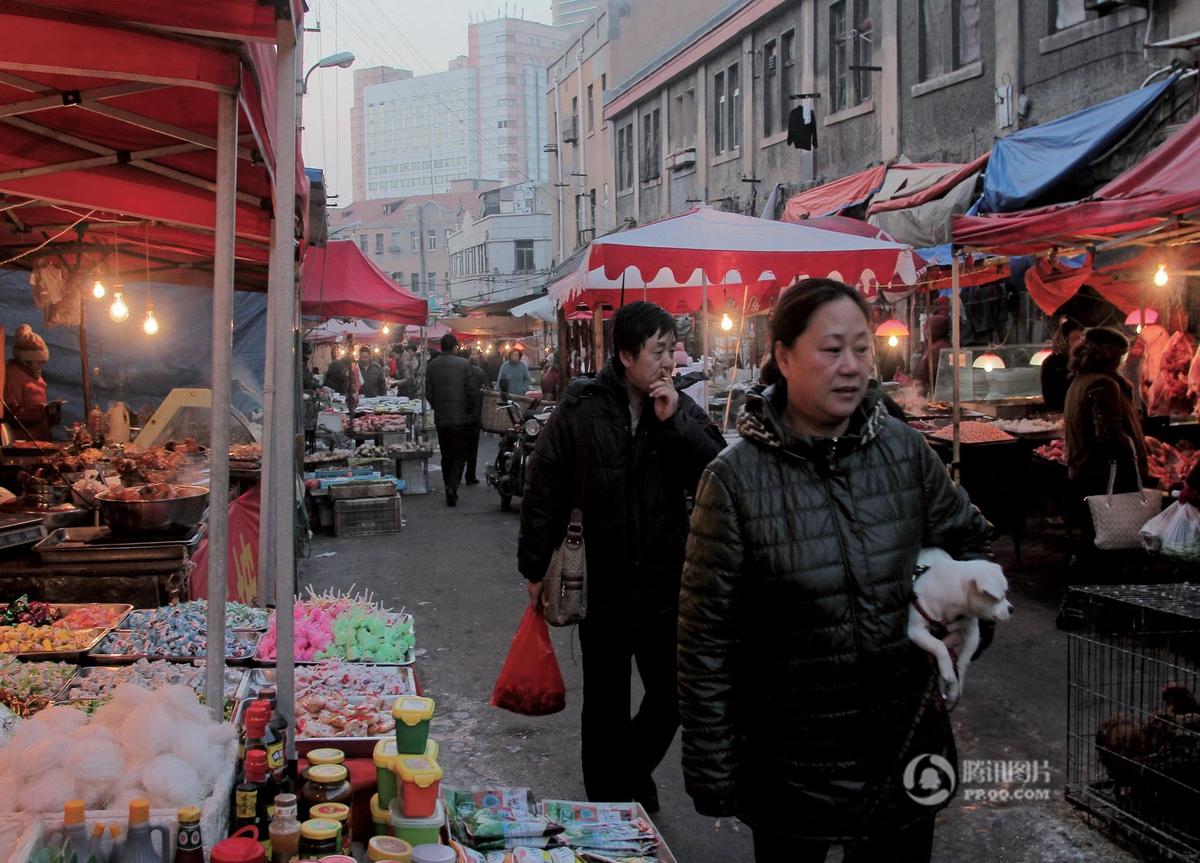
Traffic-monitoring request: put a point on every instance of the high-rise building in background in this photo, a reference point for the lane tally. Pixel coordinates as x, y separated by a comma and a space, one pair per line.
483, 118
574, 13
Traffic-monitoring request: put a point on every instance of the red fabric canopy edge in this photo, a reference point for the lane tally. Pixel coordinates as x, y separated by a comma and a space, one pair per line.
339, 281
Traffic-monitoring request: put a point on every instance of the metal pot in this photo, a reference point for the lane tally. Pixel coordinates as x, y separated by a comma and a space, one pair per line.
186, 510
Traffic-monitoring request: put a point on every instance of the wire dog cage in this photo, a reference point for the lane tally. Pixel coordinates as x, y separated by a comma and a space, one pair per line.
1133, 727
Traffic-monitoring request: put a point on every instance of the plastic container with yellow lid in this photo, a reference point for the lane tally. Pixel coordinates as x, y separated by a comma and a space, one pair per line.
319, 838
380, 817
388, 848
385, 770
328, 755
432, 749
412, 714
420, 780
340, 813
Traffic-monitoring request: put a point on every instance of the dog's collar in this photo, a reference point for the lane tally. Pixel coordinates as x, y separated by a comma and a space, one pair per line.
930, 619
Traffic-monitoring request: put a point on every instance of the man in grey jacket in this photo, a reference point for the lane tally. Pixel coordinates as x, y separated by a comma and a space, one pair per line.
447, 391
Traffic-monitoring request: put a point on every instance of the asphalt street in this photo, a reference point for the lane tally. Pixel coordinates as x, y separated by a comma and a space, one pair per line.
455, 570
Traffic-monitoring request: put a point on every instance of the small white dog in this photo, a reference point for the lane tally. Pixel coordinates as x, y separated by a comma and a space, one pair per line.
955, 594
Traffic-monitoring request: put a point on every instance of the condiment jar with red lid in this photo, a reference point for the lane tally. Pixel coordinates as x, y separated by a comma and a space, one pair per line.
242, 847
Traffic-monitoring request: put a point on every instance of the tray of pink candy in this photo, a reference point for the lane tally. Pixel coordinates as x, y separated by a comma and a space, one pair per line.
354, 629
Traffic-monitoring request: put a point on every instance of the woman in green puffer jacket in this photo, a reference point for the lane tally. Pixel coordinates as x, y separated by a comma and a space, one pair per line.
802, 698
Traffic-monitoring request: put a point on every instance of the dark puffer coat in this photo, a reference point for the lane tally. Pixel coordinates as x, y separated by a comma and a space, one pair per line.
1102, 426
633, 489
448, 390
798, 684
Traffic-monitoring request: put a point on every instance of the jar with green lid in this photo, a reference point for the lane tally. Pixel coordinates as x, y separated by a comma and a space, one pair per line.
317, 757
340, 814
325, 783
319, 838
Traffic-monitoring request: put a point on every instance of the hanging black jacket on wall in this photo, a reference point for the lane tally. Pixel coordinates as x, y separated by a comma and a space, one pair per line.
802, 128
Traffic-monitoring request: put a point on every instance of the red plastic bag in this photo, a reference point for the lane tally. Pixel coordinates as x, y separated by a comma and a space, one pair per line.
530, 682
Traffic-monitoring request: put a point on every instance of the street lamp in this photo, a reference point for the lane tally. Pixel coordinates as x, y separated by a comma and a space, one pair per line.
342, 60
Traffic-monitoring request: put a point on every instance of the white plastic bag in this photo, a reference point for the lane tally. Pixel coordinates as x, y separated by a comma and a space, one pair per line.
1175, 532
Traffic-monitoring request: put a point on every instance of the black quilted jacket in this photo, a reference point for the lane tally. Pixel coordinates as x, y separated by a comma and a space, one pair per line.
798, 684
633, 489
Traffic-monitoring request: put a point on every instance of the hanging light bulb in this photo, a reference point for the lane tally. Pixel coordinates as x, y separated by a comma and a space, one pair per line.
1160, 276
386, 329
118, 311
150, 325
893, 330
1040, 357
893, 341
726, 322
98, 290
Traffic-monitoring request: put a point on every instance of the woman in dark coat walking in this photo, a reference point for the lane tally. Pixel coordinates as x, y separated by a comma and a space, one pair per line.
802, 699
1102, 429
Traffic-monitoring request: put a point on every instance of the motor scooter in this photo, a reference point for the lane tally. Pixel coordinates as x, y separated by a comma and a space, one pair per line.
507, 473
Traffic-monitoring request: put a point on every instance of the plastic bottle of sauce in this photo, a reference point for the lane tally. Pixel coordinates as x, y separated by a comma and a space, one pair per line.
285, 830
238, 848
139, 844
327, 783
75, 833
251, 801
318, 839
189, 845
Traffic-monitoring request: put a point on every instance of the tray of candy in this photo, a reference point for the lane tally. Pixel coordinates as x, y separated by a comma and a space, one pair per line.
396, 680
352, 744
391, 618
245, 639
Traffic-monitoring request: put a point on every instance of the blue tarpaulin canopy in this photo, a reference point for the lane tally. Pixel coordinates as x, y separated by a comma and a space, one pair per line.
129, 366
1028, 164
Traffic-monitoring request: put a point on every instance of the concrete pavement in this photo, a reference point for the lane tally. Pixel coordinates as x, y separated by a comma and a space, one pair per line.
455, 570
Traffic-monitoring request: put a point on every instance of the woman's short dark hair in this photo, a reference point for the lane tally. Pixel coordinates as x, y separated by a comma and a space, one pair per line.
1100, 351
636, 322
449, 343
796, 308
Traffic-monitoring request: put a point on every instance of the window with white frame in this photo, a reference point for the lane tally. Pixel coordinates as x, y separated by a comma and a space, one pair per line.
949, 36
735, 107
850, 53
787, 76
683, 120
523, 252
770, 74
431, 239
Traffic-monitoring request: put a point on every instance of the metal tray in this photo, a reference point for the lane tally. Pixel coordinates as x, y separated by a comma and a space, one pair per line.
409, 658
351, 747
77, 545
64, 694
53, 696
257, 678
66, 655
127, 658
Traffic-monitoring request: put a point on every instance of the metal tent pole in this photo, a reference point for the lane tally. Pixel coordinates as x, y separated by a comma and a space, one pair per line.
704, 312
956, 348
279, 507
222, 353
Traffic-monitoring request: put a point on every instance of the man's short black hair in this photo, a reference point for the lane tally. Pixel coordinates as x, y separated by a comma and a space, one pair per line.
364, 350
449, 343
636, 322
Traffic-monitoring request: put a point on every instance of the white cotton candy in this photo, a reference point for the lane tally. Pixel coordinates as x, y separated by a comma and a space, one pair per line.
171, 782
126, 698
98, 768
181, 701
148, 731
122, 797
195, 750
41, 756
47, 791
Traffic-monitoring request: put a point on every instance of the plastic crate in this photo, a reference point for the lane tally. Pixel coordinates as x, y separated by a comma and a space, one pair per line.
367, 517
382, 465
414, 471
358, 489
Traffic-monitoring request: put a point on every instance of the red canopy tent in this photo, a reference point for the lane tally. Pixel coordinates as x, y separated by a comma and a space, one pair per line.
1159, 194
339, 281
108, 128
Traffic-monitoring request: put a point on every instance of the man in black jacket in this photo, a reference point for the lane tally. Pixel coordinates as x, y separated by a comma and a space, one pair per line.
374, 378
626, 449
446, 389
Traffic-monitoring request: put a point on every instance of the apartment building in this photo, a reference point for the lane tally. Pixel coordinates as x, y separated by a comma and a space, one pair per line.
409, 237
503, 248
707, 119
